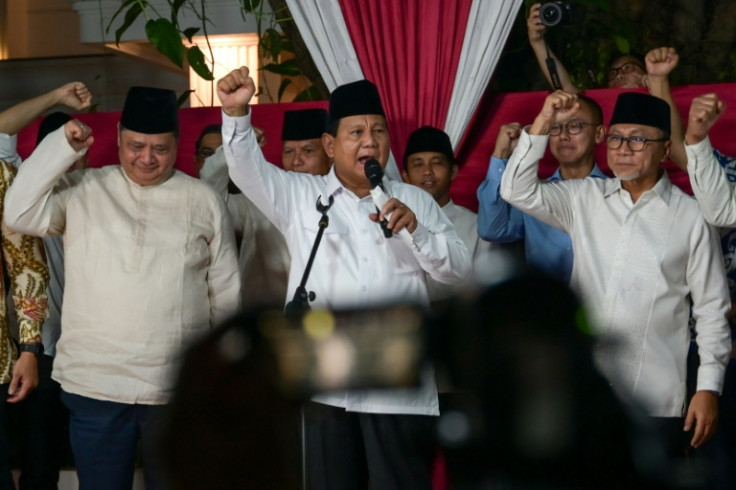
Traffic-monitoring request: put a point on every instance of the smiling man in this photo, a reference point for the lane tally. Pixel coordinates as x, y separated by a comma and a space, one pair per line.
353, 436
429, 163
572, 141
644, 259
150, 264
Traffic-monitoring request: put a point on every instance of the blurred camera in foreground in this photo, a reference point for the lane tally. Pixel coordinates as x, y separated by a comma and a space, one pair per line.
529, 408
556, 14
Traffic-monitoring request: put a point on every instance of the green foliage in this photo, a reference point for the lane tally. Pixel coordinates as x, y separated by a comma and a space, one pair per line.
701, 31
164, 34
166, 39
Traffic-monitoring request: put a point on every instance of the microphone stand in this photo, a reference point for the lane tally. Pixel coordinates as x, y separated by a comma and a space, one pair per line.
300, 303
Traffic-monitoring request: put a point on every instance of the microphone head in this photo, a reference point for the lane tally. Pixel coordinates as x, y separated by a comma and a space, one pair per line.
374, 172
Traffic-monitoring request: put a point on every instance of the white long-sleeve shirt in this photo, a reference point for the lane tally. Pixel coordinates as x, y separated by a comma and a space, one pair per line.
716, 194
355, 266
263, 258
466, 226
639, 267
148, 268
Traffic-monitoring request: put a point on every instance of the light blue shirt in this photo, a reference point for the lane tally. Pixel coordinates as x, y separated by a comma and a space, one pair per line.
546, 247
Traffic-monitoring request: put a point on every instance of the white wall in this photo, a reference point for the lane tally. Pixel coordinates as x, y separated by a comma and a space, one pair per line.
108, 76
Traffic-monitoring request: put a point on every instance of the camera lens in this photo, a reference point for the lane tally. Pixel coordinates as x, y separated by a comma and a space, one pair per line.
550, 14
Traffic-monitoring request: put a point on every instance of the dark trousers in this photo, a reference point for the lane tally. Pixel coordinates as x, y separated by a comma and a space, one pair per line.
363, 450
104, 437
6, 478
40, 428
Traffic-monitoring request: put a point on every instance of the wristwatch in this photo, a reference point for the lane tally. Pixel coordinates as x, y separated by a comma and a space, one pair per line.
33, 347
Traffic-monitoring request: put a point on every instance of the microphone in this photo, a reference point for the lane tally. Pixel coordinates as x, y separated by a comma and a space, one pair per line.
374, 172
380, 195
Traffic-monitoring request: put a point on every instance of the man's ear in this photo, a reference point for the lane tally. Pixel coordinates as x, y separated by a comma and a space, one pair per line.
405, 176
600, 133
667, 148
328, 141
118, 134
454, 171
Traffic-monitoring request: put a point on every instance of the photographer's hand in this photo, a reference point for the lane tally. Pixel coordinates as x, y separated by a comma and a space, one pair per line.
534, 26
557, 106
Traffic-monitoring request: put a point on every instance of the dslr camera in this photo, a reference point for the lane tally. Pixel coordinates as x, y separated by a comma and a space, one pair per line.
556, 14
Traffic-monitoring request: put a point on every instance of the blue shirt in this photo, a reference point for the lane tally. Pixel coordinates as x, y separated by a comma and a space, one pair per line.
546, 247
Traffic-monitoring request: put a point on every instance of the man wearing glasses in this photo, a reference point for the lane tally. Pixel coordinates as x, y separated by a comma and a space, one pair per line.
644, 257
572, 142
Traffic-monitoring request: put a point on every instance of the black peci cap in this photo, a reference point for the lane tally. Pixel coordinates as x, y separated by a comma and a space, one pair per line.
354, 99
150, 110
305, 124
428, 138
638, 108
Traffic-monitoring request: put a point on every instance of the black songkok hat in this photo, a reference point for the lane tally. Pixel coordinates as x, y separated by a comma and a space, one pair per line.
428, 138
51, 123
306, 124
638, 108
150, 111
354, 99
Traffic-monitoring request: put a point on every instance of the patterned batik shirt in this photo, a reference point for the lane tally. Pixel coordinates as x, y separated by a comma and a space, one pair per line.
24, 263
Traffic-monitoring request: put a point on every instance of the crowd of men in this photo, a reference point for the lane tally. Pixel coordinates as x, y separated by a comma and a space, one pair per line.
115, 271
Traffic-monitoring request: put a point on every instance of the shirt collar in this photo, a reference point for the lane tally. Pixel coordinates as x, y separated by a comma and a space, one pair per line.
662, 189
595, 172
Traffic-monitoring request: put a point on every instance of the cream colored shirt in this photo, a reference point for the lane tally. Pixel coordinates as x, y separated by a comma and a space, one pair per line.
148, 269
640, 267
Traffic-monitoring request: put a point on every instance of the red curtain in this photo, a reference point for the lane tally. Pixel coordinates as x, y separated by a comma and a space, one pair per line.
494, 110
410, 50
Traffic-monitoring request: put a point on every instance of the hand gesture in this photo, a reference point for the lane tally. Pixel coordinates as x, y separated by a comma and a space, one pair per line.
235, 91
534, 26
78, 134
401, 216
508, 137
74, 95
558, 106
704, 112
661, 61
25, 377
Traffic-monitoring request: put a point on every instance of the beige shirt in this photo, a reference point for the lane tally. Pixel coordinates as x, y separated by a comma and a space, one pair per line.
148, 269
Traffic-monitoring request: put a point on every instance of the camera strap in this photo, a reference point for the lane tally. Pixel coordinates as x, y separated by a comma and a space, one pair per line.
552, 69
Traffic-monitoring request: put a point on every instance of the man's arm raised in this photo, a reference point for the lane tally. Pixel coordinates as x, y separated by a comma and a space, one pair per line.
710, 184
31, 207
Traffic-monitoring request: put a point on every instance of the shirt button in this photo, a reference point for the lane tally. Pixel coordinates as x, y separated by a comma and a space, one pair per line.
365, 259
364, 288
364, 231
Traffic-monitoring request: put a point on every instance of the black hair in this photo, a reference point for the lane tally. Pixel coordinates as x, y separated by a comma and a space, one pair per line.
211, 129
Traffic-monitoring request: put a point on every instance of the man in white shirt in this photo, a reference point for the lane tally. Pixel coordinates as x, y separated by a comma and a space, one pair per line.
644, 258
349, 436
429, 163
150, 265
263, 255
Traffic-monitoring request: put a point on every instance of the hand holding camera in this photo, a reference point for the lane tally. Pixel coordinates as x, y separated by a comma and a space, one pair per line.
556, 14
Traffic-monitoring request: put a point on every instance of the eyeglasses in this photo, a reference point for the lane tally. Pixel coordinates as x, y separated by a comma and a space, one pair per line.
635, 143
572, 127
624, 69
